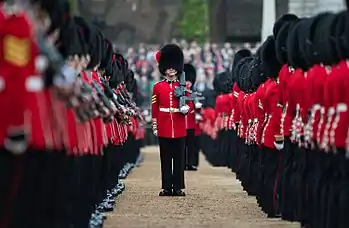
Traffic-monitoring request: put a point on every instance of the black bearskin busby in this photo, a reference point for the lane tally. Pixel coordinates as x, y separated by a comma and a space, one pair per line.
190, 73
170, 57
284, 19
221, 83
241, 54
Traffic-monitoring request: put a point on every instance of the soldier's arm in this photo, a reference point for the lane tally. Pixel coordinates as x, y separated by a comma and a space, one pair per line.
277, 113
154, 106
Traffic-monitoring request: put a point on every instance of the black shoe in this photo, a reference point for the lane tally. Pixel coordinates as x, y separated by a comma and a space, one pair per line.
108, 208
192, 168
165, 192
178, 193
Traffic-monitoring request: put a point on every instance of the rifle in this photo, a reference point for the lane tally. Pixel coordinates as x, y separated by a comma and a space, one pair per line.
181, 92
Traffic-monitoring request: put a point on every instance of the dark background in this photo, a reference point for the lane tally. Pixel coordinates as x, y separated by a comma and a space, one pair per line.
154, 20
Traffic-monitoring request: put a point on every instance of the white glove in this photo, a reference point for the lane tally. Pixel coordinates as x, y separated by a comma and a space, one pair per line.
17, 143
198, 117
155, 132
279, 146
155, 128
185, 109
198, 105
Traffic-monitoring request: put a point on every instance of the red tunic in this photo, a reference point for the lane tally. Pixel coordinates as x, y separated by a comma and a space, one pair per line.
97, 124
235, 104
254, 114
248, 114
55, 130
165, 111
241, 118
340, 99
273, 108
285, 92
218, 125
124, 133
115, 133
226, 110
294, 99
190, 117
260, 112
20, 83
329, 107
317, 79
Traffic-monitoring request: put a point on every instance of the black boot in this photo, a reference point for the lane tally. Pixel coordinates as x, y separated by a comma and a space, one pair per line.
178, 193
165, 192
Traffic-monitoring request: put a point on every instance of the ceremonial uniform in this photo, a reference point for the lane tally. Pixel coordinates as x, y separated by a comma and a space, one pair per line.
171, 126
192, 140
169, 122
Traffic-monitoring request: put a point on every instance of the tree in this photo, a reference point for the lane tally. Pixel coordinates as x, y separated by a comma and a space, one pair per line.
74, 6
193, 23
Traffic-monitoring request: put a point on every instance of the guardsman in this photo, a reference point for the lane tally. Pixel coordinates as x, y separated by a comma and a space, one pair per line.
272, 135
21, 86
169, 122
220, 155
191, 151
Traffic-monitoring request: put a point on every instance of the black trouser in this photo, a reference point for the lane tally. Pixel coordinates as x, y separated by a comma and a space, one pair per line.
191, 148
172, 150
197, 150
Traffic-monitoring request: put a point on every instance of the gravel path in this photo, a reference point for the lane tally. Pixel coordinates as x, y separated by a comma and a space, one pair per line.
214, 199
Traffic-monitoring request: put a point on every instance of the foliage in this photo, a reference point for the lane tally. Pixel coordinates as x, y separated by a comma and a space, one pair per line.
193, 23
74, 6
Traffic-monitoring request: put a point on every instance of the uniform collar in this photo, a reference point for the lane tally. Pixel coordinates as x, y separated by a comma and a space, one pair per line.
170, 81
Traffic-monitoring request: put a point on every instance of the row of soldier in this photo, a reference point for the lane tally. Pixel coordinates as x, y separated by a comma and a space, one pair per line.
281, 121
69, 122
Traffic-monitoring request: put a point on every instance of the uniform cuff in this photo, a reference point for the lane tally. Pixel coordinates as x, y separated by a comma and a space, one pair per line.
279, 138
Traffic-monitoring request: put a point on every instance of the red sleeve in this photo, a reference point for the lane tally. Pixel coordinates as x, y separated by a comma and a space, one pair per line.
276, 110
155, 105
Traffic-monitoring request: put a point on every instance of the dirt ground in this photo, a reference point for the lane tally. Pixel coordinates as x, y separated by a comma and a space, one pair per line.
214, 199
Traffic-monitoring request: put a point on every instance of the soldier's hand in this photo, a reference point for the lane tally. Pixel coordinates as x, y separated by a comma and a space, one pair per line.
198, 117
198, 105
17, 143
185, 109
279, 145
155, 132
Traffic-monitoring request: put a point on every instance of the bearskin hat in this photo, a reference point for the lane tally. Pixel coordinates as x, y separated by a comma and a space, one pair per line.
340, 33
96, 53
170, 57
71, 40
190, 73
294, 58
269, 63
284, 19
280, 42
241, 54
220, 83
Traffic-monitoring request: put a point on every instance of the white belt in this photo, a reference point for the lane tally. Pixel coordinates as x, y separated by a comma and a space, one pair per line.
169, 110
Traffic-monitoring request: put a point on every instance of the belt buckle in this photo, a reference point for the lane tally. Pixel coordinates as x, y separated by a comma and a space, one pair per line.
171, 110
